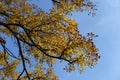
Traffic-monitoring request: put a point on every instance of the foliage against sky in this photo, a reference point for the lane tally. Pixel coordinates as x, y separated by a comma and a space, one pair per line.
43, 38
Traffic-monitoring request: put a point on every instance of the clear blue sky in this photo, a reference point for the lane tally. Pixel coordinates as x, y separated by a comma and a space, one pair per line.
106, 24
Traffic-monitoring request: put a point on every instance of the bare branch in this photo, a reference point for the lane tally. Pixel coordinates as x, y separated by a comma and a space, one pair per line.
22, 57
20, 74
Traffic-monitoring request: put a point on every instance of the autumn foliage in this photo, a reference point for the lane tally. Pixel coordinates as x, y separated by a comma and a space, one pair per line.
41, 38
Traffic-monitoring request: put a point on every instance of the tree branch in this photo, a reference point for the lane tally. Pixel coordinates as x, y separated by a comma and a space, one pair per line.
20, 74
23, 60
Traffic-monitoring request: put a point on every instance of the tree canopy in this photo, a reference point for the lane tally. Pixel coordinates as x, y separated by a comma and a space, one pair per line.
40, 38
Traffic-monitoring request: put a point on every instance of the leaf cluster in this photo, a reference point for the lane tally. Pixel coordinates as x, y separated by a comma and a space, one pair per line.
42, 38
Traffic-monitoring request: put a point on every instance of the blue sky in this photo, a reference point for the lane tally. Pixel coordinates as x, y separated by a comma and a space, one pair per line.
106, 24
